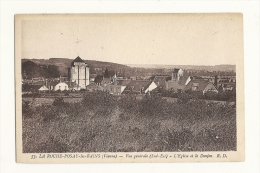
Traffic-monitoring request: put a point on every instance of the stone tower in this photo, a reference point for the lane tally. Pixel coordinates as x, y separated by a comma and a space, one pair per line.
176, 74
79, 73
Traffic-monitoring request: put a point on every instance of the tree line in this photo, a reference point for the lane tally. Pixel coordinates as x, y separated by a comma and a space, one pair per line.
32, 70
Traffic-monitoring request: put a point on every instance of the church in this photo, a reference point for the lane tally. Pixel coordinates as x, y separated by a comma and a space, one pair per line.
79, 72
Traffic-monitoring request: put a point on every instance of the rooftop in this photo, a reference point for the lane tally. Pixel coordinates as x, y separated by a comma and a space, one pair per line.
176, 70
135, 86
122, 82
78, 59
199, 83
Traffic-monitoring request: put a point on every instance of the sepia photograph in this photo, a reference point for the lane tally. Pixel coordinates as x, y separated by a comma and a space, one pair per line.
129, 87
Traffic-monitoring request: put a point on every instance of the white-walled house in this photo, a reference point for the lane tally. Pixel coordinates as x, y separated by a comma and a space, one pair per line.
57, 85
61, 86
44, 88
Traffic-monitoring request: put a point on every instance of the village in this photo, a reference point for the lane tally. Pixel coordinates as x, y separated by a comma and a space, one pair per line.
156, 112
80, 80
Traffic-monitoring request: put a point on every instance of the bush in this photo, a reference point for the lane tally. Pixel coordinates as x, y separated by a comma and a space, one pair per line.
148, 105
82, 90
27, 111
101, 102
152, 105
184, 98
58, 101
129, 104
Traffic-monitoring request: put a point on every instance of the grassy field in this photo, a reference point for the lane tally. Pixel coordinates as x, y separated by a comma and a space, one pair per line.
104, 123
48, 101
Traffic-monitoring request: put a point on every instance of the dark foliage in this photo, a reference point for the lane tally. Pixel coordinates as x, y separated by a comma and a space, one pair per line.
98, 79
58, 101
32, 70
106, 74
100, 101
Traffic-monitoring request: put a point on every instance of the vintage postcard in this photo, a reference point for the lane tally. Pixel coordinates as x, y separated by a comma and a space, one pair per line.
129, 88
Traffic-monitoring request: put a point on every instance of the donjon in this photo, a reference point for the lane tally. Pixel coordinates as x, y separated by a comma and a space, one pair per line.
79, 73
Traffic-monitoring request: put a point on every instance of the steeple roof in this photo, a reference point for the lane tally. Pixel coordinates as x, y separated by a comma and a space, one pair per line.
78, 59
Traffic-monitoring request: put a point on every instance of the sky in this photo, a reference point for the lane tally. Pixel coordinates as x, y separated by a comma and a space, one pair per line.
163, 39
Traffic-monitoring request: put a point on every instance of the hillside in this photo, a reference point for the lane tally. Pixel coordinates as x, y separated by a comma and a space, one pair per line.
98, 67
64, 63
188, 67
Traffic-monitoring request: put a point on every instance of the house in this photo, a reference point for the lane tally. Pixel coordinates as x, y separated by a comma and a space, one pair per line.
37, 79
175, 86
133, 77
222, 80
178, 85
160, 80
118, 86
43, 88
209, 78
57, 85
106, 81
201, 85
184, 80
93, 87
174, 82
102, 81
73, 86
231, 86
139, 87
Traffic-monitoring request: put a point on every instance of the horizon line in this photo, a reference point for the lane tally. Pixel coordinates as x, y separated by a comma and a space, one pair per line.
127, 63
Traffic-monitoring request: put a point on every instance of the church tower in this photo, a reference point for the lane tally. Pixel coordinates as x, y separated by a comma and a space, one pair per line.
79, 73
176, 74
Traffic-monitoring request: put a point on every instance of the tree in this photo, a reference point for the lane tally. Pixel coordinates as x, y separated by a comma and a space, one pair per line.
31, 70
98, 79
111, 73
106, 75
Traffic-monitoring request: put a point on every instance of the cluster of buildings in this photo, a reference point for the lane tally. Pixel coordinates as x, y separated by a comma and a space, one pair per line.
79, 78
